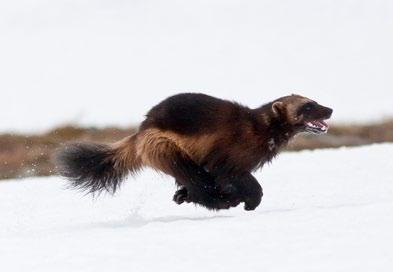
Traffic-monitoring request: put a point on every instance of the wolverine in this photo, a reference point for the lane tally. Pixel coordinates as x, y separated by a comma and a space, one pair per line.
209, 145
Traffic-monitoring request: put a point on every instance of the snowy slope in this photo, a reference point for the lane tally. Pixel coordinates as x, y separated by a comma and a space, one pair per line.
322, 211
108, 61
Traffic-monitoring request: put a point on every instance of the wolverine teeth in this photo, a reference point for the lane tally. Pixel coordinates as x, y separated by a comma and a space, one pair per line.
318, 125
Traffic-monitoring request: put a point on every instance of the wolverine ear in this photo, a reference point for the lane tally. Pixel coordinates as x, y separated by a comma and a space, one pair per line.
277, 108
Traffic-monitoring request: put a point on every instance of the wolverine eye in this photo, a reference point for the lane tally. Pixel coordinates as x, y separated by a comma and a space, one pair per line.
306, 108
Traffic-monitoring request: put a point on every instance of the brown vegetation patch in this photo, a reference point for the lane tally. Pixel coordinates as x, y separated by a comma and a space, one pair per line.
31, 155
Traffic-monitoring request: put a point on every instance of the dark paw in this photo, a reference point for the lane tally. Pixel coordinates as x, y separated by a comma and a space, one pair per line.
181, 196
252, 205
249, 207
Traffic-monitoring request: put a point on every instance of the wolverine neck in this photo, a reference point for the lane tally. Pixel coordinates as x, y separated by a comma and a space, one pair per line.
272, 127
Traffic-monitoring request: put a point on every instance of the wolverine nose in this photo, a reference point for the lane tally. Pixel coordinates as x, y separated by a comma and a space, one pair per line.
329, 112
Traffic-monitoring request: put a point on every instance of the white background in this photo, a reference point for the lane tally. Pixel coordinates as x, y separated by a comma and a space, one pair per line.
107, 62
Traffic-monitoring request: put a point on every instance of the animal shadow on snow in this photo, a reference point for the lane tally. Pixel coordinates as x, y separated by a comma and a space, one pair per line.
137, 221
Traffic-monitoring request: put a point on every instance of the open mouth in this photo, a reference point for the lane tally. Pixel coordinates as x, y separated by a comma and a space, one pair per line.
316, 126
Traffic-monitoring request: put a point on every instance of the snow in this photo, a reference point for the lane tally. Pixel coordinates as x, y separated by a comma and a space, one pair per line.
327, 210
107, 62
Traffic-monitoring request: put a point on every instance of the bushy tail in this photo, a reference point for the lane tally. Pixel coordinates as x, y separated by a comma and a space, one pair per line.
97, 167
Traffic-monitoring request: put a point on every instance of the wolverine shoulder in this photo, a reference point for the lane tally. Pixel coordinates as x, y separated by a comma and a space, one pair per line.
190, 113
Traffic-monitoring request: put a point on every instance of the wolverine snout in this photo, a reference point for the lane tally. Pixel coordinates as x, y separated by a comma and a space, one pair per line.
328, 112
323, 112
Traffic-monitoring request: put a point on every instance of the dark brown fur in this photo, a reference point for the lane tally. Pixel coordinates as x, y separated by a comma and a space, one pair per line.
210, 146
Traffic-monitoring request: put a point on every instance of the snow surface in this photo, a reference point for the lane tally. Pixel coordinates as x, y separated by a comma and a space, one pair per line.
107, 62
328, 210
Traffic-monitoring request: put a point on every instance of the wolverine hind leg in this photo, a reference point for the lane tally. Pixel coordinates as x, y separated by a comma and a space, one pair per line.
198, 186
224, 199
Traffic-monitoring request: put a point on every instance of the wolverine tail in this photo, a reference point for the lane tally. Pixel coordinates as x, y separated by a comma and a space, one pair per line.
98, 167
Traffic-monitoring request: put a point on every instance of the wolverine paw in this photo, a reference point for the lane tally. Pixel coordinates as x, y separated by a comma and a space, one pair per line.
180, 196
250, 205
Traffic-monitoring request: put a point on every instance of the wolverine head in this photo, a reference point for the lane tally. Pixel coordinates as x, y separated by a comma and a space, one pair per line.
304, 114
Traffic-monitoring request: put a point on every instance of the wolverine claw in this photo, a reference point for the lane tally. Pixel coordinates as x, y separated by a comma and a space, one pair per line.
180, 196
178, 199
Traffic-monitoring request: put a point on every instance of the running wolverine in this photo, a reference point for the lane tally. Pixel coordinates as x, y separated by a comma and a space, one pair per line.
210, 146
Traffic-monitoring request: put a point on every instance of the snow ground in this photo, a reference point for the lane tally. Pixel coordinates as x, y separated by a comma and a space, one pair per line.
327, 210
107, 62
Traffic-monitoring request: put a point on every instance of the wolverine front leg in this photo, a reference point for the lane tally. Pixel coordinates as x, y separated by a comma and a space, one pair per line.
241, 188
251, 191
